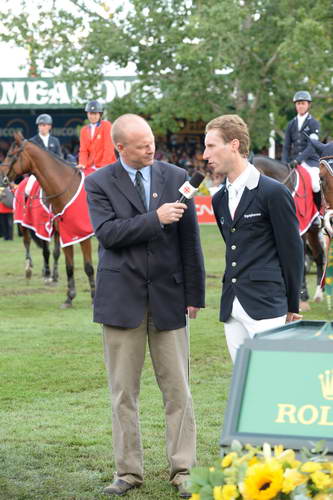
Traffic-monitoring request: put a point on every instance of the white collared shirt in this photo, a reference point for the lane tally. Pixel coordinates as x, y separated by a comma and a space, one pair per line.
301, 119
45, 139
237, 189
92, 129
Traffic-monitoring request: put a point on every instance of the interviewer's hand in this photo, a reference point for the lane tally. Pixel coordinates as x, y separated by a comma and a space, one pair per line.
293, 317
170, 212
192, 311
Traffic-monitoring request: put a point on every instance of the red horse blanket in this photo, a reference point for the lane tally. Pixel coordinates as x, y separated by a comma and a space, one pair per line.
31, 211
306, 209
74, 222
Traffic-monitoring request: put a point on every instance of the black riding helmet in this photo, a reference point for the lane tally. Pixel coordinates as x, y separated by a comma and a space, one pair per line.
94, 107
45, 119
302, 95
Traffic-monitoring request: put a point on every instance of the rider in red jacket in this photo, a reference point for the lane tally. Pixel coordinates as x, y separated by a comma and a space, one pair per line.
96, 148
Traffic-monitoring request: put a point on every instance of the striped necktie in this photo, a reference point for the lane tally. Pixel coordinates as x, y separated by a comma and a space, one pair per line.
140, 189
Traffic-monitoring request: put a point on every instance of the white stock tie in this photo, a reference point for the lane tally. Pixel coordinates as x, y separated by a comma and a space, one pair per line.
232, 196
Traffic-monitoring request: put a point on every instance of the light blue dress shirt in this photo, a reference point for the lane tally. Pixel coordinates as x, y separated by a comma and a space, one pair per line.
146, 177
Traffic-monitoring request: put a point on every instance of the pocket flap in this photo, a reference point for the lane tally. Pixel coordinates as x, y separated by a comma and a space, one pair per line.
178, 277
266, 275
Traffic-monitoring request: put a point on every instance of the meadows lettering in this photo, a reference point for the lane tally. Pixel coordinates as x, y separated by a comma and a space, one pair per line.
25, 92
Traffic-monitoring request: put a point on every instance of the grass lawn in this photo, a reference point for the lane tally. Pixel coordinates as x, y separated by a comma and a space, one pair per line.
55, 414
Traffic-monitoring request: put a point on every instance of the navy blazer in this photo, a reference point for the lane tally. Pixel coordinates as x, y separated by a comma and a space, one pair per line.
53, 146
142, 264
264, 251
297, 145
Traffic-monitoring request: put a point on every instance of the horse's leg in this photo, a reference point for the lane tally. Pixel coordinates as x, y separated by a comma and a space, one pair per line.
304, 296
56, 255
71, 291
317, 248
28, 260
88, 265
46, 273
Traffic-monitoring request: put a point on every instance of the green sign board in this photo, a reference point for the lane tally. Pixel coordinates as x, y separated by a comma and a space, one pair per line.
31, 93
282, 388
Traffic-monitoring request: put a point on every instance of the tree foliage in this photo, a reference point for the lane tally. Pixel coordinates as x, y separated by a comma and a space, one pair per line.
195, 59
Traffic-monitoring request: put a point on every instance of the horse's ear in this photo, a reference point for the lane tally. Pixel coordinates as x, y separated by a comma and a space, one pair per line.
18, 137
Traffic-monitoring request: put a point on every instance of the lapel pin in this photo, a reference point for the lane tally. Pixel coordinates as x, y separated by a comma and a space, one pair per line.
155, 195
222, 220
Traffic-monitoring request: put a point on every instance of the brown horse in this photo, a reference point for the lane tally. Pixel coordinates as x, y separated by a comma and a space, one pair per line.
285, 174
60, 182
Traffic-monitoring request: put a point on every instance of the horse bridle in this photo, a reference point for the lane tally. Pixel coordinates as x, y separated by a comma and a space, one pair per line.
17, 156
13, 159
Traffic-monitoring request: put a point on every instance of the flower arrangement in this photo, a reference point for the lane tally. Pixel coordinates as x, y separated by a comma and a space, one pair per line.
252, 473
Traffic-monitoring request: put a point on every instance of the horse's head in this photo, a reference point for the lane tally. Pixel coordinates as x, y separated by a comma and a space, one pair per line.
15, 164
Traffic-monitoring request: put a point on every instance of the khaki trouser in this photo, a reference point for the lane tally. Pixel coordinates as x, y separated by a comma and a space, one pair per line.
124, 351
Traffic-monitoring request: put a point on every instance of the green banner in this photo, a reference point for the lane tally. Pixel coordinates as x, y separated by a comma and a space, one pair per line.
288, 393
31, 93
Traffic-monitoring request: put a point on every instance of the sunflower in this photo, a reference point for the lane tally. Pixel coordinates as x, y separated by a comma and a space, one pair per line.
263, 481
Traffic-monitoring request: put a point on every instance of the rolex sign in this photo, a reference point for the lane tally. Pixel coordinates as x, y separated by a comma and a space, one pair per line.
282, 388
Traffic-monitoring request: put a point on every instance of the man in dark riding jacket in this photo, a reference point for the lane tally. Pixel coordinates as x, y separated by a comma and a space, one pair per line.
297, 147
44, 139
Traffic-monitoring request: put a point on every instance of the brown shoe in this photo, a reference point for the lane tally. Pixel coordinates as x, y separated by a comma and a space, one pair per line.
119, 488
183, 492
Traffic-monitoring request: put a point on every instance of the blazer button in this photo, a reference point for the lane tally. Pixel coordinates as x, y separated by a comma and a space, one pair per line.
234, 264
233, 280
233, 247
233, 229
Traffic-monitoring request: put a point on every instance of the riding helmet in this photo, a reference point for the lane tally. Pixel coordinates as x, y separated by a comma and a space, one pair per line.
302, 95
45, 119
94, 107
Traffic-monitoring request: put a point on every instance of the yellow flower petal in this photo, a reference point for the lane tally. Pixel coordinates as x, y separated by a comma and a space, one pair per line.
321, 480
310, 467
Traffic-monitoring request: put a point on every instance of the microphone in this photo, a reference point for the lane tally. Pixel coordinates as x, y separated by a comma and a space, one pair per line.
189, 188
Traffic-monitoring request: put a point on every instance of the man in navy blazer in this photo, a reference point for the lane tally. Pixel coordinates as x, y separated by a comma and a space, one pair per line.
150, 274
44, 139
264, 252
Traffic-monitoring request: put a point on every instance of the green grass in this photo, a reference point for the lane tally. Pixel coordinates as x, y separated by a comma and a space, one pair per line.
55, 431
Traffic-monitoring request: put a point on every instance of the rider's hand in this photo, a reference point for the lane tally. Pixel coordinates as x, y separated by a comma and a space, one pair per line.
293, 163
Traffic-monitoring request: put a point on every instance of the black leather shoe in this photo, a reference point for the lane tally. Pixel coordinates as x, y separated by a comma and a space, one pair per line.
119, 488
183, 492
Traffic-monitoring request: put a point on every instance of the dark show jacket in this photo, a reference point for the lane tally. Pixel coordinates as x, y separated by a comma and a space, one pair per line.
140, 262
53, 145
297, 146
264, 252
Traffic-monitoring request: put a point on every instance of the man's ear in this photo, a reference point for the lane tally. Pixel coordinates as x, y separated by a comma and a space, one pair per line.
119, 147
235, 145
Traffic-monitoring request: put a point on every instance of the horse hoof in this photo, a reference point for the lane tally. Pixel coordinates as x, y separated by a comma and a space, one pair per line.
28, 274
66, 305
48, 281
318, 296
304, 306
